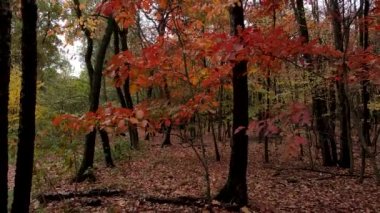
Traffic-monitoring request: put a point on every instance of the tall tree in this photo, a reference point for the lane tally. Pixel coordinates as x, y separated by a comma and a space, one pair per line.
89, 150
133, 133
364, 43
161, 29
341, 33
89, 41
5, 42
319, 98
235, 190
125, 97
91, 74
26, 134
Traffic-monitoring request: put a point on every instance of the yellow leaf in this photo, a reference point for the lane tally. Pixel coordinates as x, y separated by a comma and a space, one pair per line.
133, 89
194, 80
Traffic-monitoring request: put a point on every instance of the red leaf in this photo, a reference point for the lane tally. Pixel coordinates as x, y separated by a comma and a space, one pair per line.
299, 140
105, 8
57, 120
167, 122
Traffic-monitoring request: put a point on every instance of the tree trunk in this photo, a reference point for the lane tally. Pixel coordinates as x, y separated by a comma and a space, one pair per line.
364, 43
90, 145
133, 133
26, 132
345, 160
90, 42
167, 129
167, 133
220, 112
267, 105
88, 157
217, 154
106, 148
5, 68
326, 141
330, 102
235, 189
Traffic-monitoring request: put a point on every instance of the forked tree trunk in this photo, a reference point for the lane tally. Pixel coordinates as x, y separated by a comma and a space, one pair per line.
235, 189
26, 132
5, 68
91, 71
88, 156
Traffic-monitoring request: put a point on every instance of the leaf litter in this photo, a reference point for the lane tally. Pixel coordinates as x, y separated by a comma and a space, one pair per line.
175, 173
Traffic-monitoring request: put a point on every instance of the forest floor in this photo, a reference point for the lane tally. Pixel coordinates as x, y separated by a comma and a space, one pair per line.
157, 175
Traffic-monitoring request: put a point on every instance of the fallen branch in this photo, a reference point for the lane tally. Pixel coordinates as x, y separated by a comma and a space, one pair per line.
279, 170
186, 201
50, 197
192, 201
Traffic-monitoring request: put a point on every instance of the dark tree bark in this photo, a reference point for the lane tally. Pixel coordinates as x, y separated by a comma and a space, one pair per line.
5, 68
331, 102
26, 132
364, 43
91, 71
161, 29
167, 129
89, 40
125, 98
89, 151
235, 190
319, 98
167, 132
344, 114
106, 148
132, 128
116, 45
220, 112
211, 123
